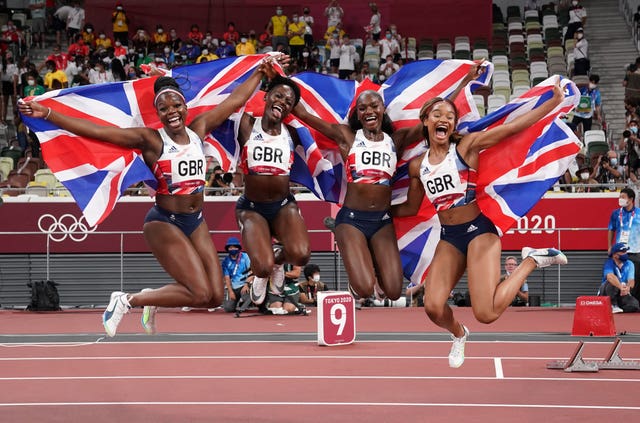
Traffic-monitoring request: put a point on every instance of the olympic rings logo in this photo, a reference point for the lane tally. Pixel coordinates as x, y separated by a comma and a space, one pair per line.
67, 226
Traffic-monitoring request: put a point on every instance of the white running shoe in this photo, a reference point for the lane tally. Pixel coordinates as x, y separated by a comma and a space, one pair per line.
277, 279
148, 318
258, 290
456, 356
544, 257
118, 307
615, 309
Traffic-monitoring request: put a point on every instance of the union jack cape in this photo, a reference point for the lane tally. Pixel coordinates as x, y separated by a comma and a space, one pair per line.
97, 173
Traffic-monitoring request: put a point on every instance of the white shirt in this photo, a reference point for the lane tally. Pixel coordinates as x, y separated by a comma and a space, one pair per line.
309, 21
581, 50
75, 19
347, 57
389, 47
334, 15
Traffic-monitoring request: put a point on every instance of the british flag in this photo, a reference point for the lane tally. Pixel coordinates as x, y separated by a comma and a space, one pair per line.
98, 173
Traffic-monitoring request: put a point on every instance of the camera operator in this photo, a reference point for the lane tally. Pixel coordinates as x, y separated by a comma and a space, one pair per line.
607, 170
630, 144
219, 179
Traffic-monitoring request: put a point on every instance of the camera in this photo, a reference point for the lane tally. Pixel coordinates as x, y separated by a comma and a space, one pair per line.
626, 133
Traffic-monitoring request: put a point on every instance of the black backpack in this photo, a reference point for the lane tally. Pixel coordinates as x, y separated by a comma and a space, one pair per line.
44, 296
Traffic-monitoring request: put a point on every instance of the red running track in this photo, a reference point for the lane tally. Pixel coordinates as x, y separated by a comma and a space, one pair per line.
302, 382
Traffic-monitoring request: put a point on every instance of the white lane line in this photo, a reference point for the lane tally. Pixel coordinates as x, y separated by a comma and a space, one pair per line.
302, 377
324, 404
497, 363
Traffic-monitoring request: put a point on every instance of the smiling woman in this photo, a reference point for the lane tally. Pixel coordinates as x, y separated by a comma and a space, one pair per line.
174, 228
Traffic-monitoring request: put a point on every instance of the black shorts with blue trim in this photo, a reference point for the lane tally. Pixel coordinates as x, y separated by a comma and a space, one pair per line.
461, 235
268, 210
367, 222
186, 222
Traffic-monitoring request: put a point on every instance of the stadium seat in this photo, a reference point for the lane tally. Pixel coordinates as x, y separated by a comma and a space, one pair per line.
47, 177
518, 90
480, 53
38, 189
16, 180
596, 142
496, 101
14, 153
60, 190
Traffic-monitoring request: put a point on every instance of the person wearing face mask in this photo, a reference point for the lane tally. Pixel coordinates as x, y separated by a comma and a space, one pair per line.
206, 56
308, 32
608, 170
98, 74
244, 47
333, 45
103, 42
159, 38
236, 269
307, 62
584, 179
168, 56
231, 36
389, 46
195, 36
89, 36
79, 48
581, 63
75, 20
618, 280
589, 105
120, 24
54, 74
387, 68
577, 18
624, 227
32, 87
277, 28
311, 286
295, 32
225, 50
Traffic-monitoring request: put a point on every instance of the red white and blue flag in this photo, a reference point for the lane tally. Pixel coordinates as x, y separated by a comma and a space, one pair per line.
97, 173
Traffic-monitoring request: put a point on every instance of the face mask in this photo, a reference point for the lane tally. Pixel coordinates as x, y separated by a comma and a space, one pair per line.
118, 43
223, 43
613, 162
335, 35
305, 54
388, 36
97, 69
294, 19
243, 40
316, 278
233, 251
622, 202
278, 12
575, 3
31, 82
140, 55
102, 37
393, 31
633, 129
140, 33
623, 257
580, 36
592, 86
89, 30
584, 175
167, 50
205, 52
160, 30
118, 8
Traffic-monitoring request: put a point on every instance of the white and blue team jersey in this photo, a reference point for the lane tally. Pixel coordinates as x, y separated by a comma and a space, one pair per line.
626, 225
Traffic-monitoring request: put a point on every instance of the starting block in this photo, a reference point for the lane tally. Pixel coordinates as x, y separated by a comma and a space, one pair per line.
612, 361
336, 318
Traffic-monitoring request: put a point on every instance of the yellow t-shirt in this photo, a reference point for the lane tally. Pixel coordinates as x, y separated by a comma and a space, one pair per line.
50, 76
294, 30
278, 25
245, 49
120, 22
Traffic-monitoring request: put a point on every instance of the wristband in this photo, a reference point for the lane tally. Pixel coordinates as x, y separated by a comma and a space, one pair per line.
48, 114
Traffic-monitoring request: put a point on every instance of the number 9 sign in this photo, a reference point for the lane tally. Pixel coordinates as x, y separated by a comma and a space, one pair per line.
336, 318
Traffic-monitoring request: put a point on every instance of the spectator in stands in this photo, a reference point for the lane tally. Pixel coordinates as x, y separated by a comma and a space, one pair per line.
103, 43
118, 71
389, 46
624, 226
308, 32
174, 41
395, 35
32, 88
332, 30
584, 179
75, 20
120, 25
11, 33
607, 171
311, 286
333, 45
244, 47
618, 280
334, 13
191, 51
348, 58
589, 105
89, 36
581, 63
577, 18
54, 74
630, 144
99, 73
159, 38
38, 21
631, 80
78, 48
141, 40
142, 58
195, 36
522, 296
9, 78
306, 61
220, 181
119, 50
59, 57
231, 36
206, 56
225, 50
277, 28
365, 72
387, 68
76, 72
253, 40
168, 56
374, 28
295, 32
236, 268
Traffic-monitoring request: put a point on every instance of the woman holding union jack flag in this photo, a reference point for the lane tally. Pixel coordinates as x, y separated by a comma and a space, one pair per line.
446, 175
174, 228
